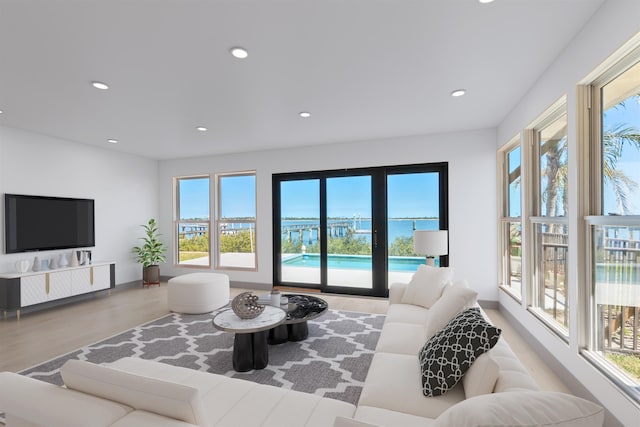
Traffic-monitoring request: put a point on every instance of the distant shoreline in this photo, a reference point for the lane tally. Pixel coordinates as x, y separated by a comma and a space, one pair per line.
361, 218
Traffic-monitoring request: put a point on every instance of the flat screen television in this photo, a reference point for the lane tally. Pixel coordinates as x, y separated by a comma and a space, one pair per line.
39, 223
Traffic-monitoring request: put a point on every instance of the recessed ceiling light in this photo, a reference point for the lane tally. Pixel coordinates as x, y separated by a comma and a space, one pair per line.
485, 1
112, 141
304, 114
201, 129
239, 52
100, 85
1, 111
458, 92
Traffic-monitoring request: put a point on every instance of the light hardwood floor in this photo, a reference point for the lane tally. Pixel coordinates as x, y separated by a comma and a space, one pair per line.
44, 335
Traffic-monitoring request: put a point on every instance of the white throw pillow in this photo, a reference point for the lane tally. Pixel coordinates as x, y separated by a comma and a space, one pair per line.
426, 285
523, 408
139, 392
481, 377
454, 299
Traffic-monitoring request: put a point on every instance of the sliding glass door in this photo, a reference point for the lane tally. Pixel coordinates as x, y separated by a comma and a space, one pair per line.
413, 203
348, 232
299, 231
331, 227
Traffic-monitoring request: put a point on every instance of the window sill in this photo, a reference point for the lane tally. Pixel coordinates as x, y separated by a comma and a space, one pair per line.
629, 387
550, 323
507, 290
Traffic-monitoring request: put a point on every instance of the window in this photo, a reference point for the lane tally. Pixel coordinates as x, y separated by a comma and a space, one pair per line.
615, 228
511, 222
236, 221
550, 296
192, 224
351, 231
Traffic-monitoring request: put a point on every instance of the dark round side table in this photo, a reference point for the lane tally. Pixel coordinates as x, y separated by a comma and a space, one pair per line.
299, 310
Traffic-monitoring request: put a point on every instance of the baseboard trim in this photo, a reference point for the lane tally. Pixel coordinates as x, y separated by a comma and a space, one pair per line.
489, 304
132, 284
250, 285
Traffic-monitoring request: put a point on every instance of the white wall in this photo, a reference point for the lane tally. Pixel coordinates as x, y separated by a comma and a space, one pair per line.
124, 187
472, 198
613, 25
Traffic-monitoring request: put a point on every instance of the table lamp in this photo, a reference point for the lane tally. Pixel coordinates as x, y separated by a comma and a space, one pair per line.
431, 243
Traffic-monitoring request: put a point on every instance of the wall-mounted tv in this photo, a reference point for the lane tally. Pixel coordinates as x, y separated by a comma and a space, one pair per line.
39, 223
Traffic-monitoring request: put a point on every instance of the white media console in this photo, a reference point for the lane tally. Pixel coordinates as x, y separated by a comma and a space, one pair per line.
42, 288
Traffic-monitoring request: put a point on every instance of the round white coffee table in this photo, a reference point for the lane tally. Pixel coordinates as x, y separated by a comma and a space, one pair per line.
250, 349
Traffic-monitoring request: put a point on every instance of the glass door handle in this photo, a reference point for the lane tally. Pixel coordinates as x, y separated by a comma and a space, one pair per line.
375, 239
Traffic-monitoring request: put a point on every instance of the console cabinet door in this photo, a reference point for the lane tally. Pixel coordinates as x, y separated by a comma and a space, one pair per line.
101, 277
59, 285
33, 290
81, 281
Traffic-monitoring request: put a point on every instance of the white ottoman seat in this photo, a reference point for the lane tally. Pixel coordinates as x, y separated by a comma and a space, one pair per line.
198, 293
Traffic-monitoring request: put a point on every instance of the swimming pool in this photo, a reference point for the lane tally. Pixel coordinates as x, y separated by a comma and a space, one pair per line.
353, 262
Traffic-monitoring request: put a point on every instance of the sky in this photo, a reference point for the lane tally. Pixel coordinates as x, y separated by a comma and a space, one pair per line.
238, 197
629, 115
408, 196
194, 198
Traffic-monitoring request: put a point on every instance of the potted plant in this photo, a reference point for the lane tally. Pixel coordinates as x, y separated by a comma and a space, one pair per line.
150, 254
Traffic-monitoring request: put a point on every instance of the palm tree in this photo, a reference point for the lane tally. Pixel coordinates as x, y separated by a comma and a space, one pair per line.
613, 141
555, 152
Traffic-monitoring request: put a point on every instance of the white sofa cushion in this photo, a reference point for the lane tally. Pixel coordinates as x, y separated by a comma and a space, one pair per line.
393, 383
426, 285
523, 408
237, 402
447, 355
513, 376
407, 313
30, 402
454, 299
172, 400
403, 338
386, 418
481, 377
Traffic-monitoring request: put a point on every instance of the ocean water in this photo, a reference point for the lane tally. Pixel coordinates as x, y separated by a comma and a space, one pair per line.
395, 227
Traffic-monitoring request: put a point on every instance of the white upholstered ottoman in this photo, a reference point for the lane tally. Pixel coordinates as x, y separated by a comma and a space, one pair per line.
197, 293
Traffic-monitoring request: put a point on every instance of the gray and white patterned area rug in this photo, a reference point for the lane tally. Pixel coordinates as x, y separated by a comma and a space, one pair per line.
332, 362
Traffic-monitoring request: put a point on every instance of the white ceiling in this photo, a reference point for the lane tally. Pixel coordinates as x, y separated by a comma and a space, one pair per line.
366, 69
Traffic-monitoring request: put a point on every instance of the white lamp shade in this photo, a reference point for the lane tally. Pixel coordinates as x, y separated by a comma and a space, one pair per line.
430, 242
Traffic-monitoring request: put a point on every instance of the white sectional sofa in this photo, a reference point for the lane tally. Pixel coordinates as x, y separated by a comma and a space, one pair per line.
132, 392
498, 393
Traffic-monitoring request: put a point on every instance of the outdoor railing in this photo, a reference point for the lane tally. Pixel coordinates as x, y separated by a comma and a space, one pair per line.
616, 280
551, 249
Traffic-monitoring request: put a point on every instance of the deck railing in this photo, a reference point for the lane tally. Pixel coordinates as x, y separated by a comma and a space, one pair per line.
616, 275
551, 249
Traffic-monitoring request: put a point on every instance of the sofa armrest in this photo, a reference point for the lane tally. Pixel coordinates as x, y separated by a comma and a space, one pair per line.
42, 404
396, 292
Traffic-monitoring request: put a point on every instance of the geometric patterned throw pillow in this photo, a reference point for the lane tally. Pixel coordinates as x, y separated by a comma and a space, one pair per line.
448, 354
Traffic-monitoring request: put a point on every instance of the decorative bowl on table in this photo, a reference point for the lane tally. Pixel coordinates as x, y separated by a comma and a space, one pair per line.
246, 306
